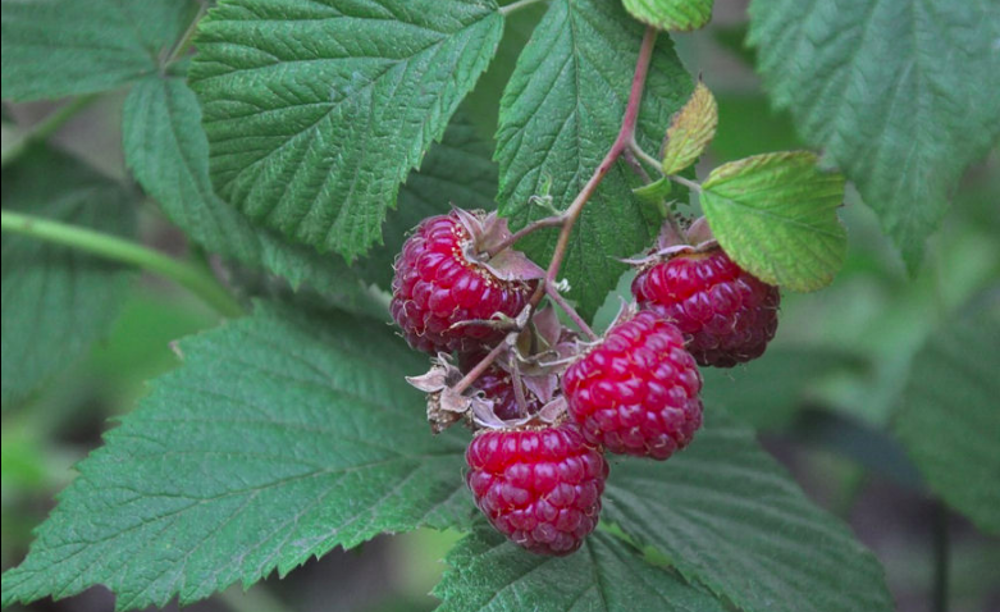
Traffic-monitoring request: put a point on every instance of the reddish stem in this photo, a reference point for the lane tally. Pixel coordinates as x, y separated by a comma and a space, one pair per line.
567, 219
561, 302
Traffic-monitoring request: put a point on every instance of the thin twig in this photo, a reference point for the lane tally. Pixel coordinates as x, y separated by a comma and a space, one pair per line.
516, 6
196, 279
45, 128
574, 316
481, 367
626, 134
554, 221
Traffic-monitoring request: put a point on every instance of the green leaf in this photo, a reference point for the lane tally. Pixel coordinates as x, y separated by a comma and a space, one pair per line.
57, 301
770, 391
899, 95
691, 130
948, 418
776, 215
458, 171
66, 47
281, 437
675, 15
655, 192
727, 516
167, 151
606, 575
316, 111
560, 114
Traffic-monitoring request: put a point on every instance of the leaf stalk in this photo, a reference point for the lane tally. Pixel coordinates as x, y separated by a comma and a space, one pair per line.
196, 279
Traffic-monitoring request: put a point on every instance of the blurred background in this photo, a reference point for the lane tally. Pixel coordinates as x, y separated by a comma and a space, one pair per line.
822, 397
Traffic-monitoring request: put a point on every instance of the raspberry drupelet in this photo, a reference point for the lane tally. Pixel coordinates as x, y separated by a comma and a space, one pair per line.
539, 487
436, 289
727, 314
636, 392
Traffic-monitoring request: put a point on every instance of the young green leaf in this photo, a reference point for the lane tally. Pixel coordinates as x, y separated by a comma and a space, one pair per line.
606, 575
57, 301
317, 111
691, 130
560, 114
727, 516
776, 215
948, 417
901, 96
167, 151
67, 47
673, 15
282, 436
655, 192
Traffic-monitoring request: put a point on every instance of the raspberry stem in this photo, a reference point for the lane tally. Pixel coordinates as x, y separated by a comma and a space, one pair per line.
561, 302
625, 136
566, 220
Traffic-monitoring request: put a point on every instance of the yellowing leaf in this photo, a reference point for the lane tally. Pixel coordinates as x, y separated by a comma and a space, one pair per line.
671, 14
691, 130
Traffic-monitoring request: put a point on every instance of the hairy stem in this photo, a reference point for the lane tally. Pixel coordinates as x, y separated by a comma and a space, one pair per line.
184, 42
516, 6
574, 316
554, 221
196, 279
626, 135
45, 128
566, 221
481, 367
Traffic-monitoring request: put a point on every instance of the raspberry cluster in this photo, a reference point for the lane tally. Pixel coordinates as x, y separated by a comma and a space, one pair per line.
546, 407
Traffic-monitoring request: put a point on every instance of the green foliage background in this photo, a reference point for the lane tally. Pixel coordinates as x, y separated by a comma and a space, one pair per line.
302, 142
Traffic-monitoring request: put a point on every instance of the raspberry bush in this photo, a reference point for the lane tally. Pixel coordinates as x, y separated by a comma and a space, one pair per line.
535, 340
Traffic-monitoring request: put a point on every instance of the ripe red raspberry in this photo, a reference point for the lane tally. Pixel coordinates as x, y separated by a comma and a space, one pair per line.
539, 487
727, 314
436, 286
497, 385
636, 393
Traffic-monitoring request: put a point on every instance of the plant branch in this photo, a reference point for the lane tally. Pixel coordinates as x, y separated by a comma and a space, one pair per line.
196, 279
184, 42
481, 367
516, 6
566, 221
45, 128
574, 316
553, 221
680, 180
941, 546
625, 136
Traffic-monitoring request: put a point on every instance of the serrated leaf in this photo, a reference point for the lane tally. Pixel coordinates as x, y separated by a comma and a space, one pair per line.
691, 130
317, 111
560, 114
458, 170
606, 575
673, 15
727, 516
899, 95
57, 301
282, 436
948, 418
60, 48
776, 215
167, 151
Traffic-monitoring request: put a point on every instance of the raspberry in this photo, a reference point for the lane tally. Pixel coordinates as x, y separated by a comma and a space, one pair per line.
727, 314
498, 386
539, 487
637, 391
436, 286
